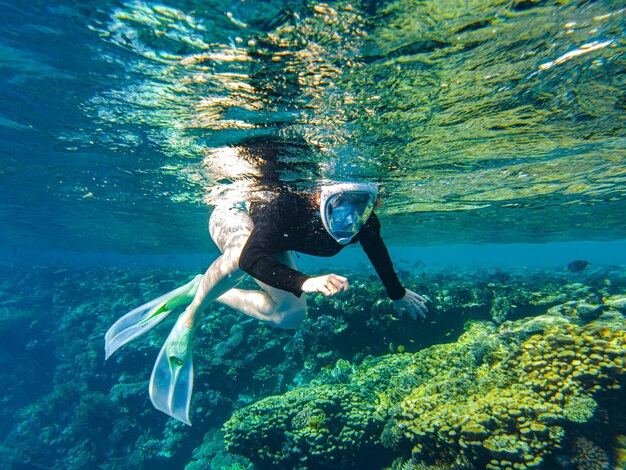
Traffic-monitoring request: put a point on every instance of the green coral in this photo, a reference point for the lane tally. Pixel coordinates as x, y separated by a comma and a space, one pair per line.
212, 454
500, 309
392, 435
547, 383
336, 423
331, 423
292, 430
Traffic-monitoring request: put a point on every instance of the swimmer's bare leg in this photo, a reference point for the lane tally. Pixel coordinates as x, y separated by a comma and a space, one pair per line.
230, 229
271, 305
171, 382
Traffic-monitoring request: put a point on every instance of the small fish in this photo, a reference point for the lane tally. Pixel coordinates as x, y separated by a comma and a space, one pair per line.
578, 265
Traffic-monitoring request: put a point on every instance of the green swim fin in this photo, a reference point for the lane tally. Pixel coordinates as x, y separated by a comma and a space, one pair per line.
143, 318
171, 382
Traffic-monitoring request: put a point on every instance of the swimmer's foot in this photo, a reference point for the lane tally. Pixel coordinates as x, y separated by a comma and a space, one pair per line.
144, 318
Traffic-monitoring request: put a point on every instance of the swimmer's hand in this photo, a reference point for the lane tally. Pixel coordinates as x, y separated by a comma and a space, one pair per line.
413, 303
329, 284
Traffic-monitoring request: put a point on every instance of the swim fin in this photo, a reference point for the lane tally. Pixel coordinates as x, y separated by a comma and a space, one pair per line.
171, 382
138, 321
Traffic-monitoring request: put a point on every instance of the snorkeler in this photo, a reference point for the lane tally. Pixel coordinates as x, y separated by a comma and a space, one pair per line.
260, 244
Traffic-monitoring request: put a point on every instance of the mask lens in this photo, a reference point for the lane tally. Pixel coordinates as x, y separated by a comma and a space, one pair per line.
349, 211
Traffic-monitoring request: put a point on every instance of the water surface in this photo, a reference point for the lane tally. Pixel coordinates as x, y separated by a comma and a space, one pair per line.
123, 122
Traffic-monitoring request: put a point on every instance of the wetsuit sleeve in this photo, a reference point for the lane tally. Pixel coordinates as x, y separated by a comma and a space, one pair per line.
376, 251
270, 236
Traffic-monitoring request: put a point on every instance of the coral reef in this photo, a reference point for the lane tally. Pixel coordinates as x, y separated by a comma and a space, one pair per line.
212, 454
318, 427
620, 451
496, 401
66, 408
552, 379
589, 456
574, 361
500, 309
333, 423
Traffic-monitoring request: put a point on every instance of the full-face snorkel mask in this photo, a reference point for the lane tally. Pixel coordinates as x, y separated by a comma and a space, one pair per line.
345, 208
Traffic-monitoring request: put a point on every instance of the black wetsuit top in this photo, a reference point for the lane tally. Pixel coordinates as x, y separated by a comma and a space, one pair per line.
291, 222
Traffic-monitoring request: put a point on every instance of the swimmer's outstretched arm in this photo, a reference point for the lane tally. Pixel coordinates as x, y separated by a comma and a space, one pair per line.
376, 251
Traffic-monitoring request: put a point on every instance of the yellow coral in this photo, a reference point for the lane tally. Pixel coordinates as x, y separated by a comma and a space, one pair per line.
574, 361
552, 379
499, 422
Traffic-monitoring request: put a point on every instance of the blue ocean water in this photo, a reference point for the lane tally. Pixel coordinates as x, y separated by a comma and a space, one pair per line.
496, 133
